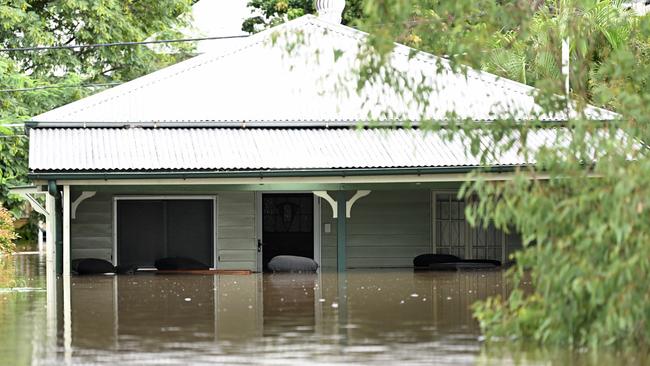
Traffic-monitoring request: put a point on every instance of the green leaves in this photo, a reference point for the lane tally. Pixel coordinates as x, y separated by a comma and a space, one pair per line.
7, 234
40, 23
273, 12
582, 208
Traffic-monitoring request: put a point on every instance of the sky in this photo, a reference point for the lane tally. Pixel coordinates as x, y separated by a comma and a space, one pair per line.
218, 18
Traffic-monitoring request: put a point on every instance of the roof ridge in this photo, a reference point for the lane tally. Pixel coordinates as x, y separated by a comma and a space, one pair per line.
422, 62
209, 56
421, 55
426, 57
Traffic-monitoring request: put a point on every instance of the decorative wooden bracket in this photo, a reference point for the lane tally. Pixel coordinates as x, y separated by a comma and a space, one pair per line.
82, 197
324, 195
35, 204
353, 199
27, 193
348, 205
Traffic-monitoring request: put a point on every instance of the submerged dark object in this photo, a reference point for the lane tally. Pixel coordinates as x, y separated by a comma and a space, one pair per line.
84, 266
126, 269
179, 263
450, 262
292, 263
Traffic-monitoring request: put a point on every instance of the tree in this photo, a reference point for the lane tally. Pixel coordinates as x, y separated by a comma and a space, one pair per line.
274, 12
7, 234
534, 57
41, 23
582, 208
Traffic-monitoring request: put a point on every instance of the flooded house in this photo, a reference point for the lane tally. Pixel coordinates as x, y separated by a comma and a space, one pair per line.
266, 148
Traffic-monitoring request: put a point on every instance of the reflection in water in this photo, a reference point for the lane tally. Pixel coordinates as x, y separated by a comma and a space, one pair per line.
289, 303
391, 316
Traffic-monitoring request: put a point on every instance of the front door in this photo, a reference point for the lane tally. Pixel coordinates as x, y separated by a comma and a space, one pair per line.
287, 225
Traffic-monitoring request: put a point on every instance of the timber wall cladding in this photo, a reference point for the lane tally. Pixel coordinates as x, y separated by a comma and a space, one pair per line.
236, 234
91, 233
387, 229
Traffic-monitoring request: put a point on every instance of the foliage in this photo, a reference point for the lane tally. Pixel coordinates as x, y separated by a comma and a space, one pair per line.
41, 23
7, 272
582, 208
590, 234
7, 234
269, 13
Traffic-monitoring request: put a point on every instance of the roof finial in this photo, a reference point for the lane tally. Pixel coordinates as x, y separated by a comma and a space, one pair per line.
330, 10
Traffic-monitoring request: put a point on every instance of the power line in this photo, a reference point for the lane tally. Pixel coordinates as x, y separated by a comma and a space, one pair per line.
59, 87
116, 44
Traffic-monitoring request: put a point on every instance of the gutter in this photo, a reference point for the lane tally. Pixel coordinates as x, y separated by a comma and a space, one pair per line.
71, 175
293, 124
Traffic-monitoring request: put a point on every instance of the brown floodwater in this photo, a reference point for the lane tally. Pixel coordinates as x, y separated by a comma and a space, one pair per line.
361, 317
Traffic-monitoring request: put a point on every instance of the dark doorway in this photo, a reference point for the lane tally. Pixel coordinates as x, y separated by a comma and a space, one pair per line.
287, 225
151, 229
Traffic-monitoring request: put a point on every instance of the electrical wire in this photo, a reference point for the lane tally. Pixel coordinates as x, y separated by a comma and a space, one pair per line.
117, 44
59, 87
97, 45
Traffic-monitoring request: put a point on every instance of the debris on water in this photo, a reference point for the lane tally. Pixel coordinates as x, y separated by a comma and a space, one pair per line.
401, 302
188, 299
424, 299
414, 295
448, 297
250, 306
321, 300
335, 305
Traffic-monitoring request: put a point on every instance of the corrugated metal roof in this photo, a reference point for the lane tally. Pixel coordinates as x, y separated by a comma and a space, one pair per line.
138, 149
257, 82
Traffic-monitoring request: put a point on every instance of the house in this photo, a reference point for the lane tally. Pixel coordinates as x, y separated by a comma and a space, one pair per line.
235, 156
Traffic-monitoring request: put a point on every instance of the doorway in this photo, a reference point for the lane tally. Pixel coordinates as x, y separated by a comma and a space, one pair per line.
288, 226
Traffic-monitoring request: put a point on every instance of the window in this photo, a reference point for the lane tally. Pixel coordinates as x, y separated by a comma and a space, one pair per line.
453, 234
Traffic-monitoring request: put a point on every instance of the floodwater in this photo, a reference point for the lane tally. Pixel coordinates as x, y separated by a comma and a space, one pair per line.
362, 317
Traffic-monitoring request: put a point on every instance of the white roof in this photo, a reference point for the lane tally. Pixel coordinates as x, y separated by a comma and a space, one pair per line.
228, 149
257, 82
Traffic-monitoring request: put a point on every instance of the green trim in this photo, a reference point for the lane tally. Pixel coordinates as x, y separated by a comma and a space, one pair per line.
58, 233
211, 188
341, 231
53, 189
263, 173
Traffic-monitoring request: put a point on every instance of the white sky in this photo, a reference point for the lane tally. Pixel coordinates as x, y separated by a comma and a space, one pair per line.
218, 18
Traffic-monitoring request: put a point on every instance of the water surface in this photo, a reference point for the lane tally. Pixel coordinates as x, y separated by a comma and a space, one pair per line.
361, 317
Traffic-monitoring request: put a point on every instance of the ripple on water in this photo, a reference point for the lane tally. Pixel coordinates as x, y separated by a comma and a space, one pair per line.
380, 317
